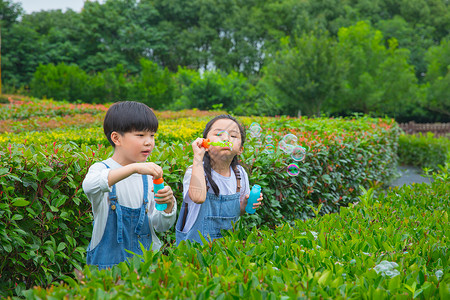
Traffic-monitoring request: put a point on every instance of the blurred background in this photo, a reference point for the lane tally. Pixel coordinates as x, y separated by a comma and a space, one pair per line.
254, 57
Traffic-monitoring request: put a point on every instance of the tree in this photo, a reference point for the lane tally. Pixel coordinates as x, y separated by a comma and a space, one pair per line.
9, 12
379, 79
153, 86
416, 39
117, 32
305, 74
438, 79
21, 54
58, 34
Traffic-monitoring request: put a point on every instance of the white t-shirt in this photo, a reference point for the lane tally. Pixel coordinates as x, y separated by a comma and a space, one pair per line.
130, 193
227, 186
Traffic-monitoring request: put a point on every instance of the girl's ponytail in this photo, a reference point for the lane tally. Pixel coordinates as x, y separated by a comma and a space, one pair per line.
207, 167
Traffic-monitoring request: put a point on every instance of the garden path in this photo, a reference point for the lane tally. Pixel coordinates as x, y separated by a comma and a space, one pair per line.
409, 175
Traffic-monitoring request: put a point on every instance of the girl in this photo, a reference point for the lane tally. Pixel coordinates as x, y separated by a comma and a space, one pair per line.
215, 187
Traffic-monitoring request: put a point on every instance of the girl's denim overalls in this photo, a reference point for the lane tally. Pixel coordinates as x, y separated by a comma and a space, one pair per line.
216, 213
125, 228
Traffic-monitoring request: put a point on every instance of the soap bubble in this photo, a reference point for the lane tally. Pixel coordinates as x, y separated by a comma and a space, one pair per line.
387, 268
439, 274
269, 139
288, 143
392, 273
270, 148
224, 135
299, 153
255, 130
293, 169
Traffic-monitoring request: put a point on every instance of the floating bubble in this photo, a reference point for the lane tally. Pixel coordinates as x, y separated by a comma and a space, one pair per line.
387, 268
299, 153
255, 130
288, 143
269, 139
270, 148
293, 169
439, 274
392, 273
224, 135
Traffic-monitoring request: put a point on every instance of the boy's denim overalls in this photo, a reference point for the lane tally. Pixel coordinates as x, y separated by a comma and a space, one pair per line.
216, 213
125, 229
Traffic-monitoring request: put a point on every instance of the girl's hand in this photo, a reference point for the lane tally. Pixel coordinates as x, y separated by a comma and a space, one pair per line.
256, 205
149, 168
198, 150
165, 196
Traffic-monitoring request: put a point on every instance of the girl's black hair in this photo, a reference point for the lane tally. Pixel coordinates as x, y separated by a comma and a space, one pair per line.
207, 158
127, 116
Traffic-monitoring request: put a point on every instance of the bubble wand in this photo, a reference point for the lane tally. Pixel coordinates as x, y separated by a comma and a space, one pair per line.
207, 142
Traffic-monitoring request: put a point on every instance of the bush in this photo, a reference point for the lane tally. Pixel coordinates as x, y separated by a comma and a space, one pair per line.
62, 82
45, 216
424, 151
153, 86
213, 89
334, 256
44, 213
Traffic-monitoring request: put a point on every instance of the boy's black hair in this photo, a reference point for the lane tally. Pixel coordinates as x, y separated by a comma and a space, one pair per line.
207, 158
127, 116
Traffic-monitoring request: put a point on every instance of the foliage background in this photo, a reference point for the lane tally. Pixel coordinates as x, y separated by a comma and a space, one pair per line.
47, 146
259, 57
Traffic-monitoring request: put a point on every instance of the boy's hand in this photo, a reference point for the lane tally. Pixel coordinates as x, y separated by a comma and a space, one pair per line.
165, 196
149, 168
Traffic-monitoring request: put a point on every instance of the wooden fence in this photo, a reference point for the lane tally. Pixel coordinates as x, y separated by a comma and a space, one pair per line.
439, 129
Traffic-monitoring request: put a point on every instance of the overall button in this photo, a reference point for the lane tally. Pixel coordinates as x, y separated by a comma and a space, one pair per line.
113, 207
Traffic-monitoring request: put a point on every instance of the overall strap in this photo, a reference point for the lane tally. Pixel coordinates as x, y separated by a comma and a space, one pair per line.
238, 178
144, 209
114, 205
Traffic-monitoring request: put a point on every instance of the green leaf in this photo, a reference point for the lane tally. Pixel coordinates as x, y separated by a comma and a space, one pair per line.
61, 246
16, 217
20, 202
444, 290
325, 277
7, 247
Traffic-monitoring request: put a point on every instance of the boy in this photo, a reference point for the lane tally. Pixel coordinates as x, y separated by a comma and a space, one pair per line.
121, 192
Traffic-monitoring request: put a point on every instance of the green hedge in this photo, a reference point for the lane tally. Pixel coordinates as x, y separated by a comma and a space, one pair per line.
334, 256
424, 151
46, 223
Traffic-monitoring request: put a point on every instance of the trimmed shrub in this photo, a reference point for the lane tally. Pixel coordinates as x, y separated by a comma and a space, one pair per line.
45, 213
366, 251
424, 151
62, 82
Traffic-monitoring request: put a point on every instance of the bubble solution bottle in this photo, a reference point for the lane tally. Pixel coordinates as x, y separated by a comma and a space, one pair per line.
158, 184
253, 198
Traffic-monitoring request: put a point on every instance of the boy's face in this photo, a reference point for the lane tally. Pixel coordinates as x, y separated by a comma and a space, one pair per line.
134, 146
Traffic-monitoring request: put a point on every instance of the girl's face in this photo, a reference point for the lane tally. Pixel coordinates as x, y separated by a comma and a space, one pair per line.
225, 130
